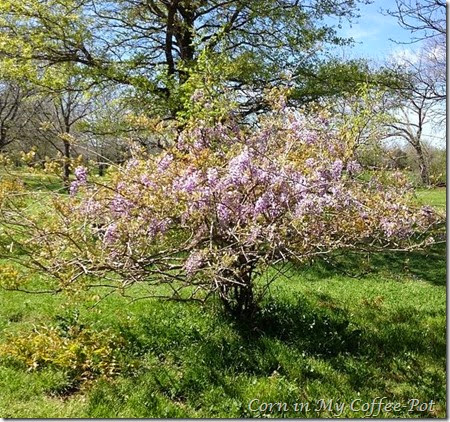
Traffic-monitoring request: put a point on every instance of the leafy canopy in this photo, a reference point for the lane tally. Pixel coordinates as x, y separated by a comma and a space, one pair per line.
151, 47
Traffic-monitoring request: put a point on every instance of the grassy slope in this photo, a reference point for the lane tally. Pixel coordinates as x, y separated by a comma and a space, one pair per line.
321, 334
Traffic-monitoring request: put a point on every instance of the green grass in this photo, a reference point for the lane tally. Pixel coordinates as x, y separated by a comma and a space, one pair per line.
435, 197
324, 332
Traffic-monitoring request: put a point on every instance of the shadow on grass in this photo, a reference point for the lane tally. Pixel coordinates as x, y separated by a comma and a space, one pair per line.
183, 358
250, 347
299, 341
427, 265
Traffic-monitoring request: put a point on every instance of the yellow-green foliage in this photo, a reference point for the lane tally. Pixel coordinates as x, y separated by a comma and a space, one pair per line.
10, 187
9, 277
84, 353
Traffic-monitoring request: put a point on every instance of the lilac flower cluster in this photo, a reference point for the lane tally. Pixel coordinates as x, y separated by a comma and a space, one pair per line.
120, 206
111, 234
81, 174
165, 162
81, 180
193, 262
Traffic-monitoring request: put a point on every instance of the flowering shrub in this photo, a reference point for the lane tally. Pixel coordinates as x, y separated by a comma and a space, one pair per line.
213, 212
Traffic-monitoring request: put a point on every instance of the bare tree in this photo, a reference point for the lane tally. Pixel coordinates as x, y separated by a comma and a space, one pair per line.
408, 123
419, 109
14, 114
424, 101
424, 18
56, 119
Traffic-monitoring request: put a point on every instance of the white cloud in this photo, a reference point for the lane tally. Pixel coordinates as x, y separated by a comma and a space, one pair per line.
403, 56
358, 34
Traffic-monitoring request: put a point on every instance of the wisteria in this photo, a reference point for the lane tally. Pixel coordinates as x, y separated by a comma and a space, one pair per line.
214, 212
80, 179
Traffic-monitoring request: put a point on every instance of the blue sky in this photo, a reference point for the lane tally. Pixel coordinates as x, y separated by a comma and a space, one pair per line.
373, 32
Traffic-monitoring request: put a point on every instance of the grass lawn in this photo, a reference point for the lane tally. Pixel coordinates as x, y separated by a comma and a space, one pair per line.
325, 332
435, 197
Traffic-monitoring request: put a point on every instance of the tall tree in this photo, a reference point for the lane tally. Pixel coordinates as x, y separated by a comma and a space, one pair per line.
418, 109
426, 20
423, 102
58, 114
152, 45
14, 111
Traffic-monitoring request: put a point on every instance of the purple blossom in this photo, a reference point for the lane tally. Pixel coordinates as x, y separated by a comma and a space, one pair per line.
254, 233
199, 144
364, 215
147, 182
181, 142
310, 137
395, 228
81, 179
297, 125
158, 227
111, 234
309, 162
353, 167
299, 183
187, 181
427, 210
223, 212
165, 162
308, 205
193, 262
81, 174
74, 186
336, 169
120, 205
261, 175
132, 163
238, 166
90, 208
263, 203
212, 176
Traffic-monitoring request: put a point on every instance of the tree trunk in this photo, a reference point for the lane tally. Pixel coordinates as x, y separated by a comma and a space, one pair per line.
238, 298
423, 165
184, 29
101, 169
3, 138
66, 165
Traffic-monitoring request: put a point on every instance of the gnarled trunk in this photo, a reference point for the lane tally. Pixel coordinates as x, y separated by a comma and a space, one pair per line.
238, 295
423, 165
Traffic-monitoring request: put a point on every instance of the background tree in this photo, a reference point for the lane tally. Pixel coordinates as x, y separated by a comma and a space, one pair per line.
425, 19
15, 112
59, 113
419, 109
152, 47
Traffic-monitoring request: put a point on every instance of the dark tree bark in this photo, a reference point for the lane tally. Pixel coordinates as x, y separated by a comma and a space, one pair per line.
238, 296
66, 166
423, 164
